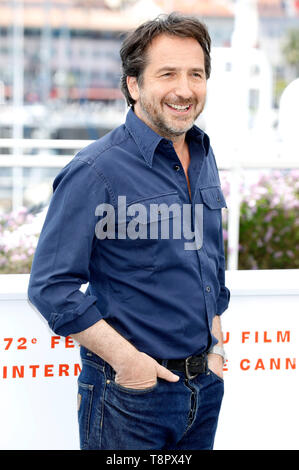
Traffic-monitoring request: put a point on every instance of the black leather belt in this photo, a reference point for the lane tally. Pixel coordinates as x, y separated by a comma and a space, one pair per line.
192, 365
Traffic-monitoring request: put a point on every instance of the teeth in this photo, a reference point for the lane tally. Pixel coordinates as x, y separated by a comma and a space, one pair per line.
177, 106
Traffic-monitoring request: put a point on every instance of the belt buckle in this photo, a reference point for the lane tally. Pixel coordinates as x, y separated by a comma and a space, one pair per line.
190, 377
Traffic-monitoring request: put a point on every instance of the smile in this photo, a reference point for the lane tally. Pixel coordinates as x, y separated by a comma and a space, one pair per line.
179, 108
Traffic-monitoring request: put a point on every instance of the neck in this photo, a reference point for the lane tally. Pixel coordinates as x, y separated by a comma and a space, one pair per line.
180, 144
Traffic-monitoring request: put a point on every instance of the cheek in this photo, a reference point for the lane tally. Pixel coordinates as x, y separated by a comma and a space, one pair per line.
202, 91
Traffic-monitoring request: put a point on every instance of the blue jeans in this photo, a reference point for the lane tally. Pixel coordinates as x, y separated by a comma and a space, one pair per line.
168, 416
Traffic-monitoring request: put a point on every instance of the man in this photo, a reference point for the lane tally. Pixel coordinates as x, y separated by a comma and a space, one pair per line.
150, 318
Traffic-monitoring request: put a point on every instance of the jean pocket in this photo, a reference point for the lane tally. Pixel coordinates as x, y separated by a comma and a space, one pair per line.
213, 374
134, 391
85, 398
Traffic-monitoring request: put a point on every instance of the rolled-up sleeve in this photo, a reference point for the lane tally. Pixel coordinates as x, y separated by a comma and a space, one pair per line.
61, 263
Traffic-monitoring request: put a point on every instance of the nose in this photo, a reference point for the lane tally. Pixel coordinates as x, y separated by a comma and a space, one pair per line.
183, 87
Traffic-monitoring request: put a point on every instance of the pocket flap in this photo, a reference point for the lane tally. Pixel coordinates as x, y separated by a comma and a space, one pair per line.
166, 206
213, 197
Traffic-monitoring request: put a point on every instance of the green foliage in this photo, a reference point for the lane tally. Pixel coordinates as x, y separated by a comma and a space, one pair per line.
269, 223
290, 48
19, 232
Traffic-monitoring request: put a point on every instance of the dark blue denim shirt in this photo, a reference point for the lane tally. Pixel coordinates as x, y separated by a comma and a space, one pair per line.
159, 295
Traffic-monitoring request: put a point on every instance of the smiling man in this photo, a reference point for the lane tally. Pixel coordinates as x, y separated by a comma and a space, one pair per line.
149, 323
172, 90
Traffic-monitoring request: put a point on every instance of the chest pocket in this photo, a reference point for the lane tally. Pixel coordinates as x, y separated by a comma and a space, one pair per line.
151, 224
213, 198
213, 201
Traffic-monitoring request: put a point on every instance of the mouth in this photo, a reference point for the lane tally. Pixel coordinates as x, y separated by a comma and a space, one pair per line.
178, 108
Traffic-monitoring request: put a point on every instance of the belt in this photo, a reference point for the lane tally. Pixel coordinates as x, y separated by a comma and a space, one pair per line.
191, 366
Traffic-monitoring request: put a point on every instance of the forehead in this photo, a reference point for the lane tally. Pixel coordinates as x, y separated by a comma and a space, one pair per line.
174, 51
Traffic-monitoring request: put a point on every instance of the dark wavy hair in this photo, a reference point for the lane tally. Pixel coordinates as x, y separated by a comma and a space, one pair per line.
134, 47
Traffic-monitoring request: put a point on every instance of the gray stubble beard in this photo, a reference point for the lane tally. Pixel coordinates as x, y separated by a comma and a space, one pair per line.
162, 128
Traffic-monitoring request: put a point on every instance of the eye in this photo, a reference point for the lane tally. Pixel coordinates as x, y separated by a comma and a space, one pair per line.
167, 74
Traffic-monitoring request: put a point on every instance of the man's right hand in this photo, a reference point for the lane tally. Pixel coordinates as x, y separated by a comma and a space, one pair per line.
134, 369
141, 372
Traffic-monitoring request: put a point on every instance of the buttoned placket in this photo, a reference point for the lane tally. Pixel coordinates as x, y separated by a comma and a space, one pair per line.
194, 179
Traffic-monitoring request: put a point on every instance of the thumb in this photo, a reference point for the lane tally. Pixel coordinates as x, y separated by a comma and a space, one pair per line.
166, 374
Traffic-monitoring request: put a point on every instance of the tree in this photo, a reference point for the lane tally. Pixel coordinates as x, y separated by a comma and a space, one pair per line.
290, 49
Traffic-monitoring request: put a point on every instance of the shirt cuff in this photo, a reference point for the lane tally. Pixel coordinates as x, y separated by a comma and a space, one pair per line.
71, 323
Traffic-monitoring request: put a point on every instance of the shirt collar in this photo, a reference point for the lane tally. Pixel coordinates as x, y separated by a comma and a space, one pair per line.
147, 139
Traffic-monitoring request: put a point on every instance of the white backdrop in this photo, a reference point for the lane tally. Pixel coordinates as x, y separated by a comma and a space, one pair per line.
38, 371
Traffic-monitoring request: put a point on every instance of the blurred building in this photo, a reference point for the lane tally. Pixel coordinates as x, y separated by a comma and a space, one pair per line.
71, 47
65, 55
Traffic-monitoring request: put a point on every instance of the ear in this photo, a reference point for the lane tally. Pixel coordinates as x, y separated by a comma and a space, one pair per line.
133, 87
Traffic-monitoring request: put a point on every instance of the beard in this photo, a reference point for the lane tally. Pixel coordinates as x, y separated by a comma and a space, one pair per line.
164, 126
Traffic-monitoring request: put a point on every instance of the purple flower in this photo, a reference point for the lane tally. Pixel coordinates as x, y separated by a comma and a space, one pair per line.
269, 234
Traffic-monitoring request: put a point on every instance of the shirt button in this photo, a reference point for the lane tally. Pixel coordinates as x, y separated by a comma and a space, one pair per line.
176, 167
208, 289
